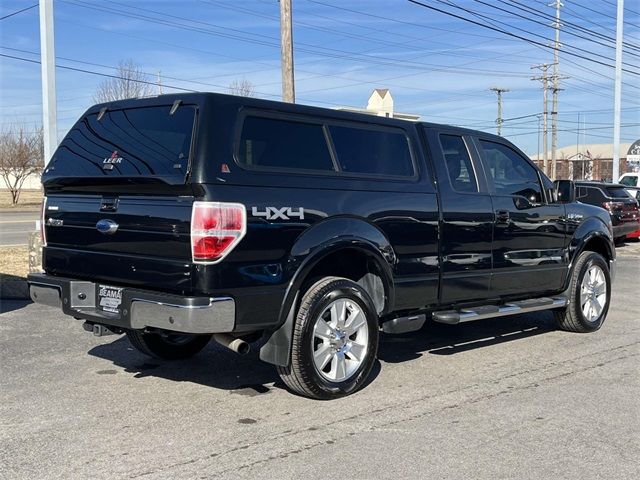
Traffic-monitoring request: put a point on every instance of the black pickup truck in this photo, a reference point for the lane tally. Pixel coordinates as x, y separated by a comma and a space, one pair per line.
179, 218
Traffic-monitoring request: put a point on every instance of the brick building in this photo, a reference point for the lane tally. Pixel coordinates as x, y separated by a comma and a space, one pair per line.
588, 162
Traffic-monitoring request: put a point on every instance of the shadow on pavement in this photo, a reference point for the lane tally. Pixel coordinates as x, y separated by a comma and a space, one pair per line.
440, 339
246, 375
215, 366
8, 305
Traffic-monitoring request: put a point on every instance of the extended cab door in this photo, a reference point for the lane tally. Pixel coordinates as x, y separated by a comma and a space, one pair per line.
466, 217
529, 255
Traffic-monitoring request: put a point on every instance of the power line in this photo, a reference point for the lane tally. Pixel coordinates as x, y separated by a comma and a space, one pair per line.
19, 11
511, 34
566, 24
626, 8
403, 22
91, 72
491, 21
600, 12
310, 48
368, 39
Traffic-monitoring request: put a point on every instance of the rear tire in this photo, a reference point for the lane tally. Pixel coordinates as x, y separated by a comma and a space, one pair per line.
589, 295
168, 346
335, 340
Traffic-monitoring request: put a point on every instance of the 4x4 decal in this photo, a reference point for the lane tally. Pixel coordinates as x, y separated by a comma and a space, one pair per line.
278, 213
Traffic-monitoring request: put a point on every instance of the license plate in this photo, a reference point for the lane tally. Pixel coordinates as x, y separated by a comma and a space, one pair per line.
110, 298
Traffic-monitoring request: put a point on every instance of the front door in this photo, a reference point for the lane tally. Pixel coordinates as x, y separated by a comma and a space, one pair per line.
528, 234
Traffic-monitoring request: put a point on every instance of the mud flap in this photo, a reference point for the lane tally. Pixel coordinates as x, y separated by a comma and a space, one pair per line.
277, 349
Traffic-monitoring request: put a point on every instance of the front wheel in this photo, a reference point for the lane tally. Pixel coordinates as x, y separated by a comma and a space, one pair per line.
589, 295
167, 346
335, 340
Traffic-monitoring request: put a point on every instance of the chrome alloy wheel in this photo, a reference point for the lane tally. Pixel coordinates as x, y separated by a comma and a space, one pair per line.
593, 293
340, 340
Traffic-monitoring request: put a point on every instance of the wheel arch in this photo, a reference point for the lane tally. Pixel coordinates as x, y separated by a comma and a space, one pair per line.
364, 255
592, 235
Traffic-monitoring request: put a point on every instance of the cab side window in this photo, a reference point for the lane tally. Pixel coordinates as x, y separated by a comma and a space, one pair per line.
510, 173
459, 166
372, 151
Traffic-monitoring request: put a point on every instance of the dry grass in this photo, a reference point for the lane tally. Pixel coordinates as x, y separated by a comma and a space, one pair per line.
29, 200
14, 262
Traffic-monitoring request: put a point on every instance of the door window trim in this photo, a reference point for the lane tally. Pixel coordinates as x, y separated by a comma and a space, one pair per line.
465, 142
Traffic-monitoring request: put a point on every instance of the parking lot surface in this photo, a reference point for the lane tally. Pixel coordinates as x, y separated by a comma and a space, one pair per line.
504, 398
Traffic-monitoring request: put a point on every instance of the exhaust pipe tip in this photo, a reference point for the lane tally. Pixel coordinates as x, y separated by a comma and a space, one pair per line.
232, 343
242, 348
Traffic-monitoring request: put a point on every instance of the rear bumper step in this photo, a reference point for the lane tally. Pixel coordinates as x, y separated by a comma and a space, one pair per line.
138, 309
453, 317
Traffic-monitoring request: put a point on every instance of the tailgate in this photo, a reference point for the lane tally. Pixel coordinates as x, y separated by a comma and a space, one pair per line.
147, 242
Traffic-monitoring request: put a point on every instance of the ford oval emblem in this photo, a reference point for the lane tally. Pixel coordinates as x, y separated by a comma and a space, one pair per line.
108, 227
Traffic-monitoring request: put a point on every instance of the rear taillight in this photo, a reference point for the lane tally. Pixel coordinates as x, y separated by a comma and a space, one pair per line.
612, 205
216, 228
43, 234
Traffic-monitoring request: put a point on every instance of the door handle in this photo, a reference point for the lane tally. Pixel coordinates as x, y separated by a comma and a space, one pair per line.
502, 216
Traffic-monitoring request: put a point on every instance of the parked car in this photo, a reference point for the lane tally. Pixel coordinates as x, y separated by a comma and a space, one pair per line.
631, 181
181, 218
614, 198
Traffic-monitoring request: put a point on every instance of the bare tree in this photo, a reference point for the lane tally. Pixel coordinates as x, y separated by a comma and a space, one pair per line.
21, 155
131, 82
242, 88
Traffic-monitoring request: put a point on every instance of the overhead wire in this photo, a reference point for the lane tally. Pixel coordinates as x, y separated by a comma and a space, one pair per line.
492, 23
4, 17
512, 34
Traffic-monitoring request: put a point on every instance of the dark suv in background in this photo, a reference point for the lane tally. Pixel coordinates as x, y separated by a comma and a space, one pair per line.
614, 198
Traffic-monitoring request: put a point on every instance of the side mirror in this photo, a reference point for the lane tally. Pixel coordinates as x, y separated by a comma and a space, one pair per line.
564, 191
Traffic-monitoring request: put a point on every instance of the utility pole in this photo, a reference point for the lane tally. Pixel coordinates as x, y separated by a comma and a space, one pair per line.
48, 68
159, 82
617, 95
499, 91
286, 45
545, 112
556, 77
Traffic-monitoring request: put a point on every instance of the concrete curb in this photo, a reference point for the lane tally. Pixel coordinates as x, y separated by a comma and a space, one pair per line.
14, 290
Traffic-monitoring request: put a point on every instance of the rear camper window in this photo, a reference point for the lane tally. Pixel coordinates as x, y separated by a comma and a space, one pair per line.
136, 142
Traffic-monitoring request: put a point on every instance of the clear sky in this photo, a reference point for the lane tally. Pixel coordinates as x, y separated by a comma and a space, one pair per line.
435, 65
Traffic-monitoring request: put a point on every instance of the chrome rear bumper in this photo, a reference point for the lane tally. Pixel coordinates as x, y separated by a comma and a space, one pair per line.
138, 309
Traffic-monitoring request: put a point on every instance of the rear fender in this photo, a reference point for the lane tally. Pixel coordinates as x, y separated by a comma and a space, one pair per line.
311, 248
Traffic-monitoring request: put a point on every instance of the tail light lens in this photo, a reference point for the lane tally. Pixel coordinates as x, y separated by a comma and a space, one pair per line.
612, 205
216, 228
43, 234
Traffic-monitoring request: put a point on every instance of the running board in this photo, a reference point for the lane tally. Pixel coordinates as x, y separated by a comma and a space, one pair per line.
453, 317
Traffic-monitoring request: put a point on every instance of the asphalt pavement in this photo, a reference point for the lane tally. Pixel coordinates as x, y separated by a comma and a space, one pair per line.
15, 226
502, 398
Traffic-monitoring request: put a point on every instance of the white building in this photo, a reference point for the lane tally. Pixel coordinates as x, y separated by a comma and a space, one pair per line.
381, 104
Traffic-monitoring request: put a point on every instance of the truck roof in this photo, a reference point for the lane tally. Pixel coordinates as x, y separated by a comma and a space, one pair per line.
202, 97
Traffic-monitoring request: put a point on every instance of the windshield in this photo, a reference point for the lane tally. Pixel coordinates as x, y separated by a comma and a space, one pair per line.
630, 180
146, 141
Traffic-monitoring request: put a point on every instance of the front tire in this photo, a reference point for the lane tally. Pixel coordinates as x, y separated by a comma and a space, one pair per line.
589, 295
335, 340
167, 346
